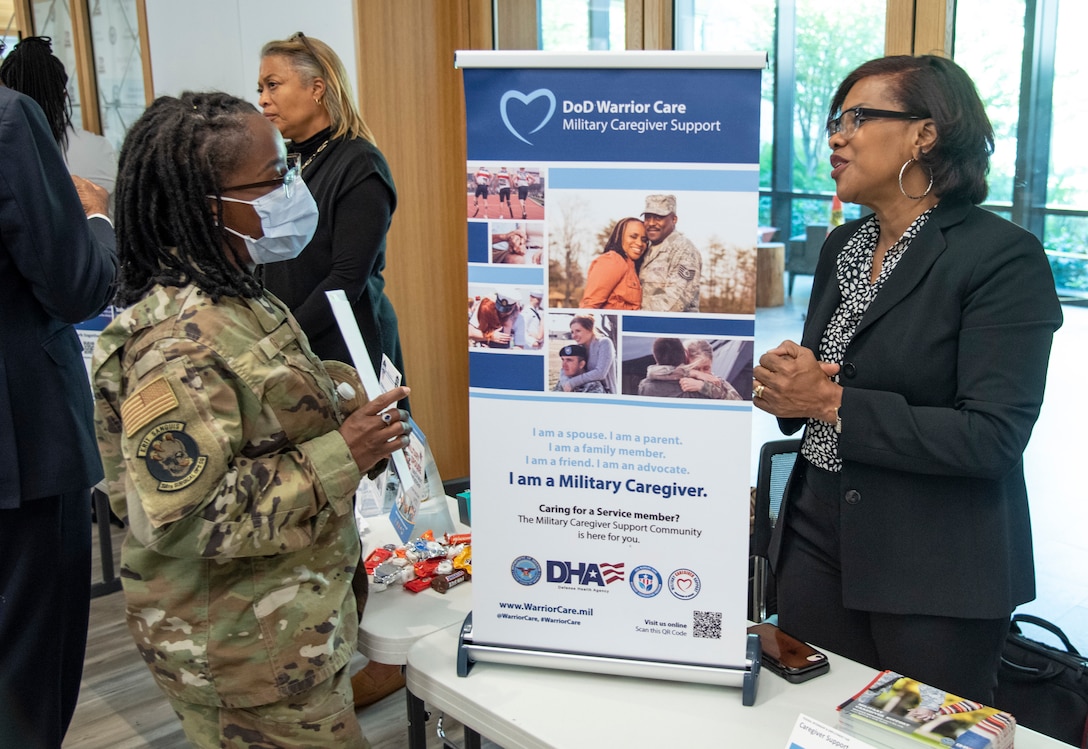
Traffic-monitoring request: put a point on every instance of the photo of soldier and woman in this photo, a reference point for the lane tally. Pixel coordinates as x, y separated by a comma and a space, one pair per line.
651, 251
612, 252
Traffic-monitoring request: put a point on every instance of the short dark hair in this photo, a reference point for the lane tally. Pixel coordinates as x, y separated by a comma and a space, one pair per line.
32, 69
176, 155
938, 88
669, 351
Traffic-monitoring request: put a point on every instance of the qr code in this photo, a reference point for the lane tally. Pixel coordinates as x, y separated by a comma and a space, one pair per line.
708, 624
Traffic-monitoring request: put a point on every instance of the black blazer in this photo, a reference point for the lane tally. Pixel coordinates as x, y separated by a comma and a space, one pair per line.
943, 382
56, 269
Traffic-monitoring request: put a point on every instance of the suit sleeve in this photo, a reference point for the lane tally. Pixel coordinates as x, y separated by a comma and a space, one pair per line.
1008, 314
69, 264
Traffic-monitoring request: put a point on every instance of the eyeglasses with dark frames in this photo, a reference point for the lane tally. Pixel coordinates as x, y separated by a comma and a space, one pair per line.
299, 36
287, 179
851, 119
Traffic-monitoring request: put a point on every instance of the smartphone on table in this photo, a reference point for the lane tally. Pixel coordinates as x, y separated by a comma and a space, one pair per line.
793, 660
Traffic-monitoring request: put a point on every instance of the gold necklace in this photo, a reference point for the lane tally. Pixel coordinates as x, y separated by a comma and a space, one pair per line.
313, 156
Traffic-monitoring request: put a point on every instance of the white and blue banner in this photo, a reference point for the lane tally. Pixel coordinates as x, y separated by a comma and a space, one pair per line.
611, 431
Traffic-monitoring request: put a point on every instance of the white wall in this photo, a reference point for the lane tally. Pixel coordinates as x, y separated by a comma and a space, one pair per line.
200, 45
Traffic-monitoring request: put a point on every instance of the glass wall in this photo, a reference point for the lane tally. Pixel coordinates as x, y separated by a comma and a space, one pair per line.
1029, 70
580, 25
115, 37
708, 26
992, 53
811, 46
52, 19
1022, 54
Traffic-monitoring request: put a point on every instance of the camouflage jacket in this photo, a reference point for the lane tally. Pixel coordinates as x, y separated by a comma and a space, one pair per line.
670, 275
217, 430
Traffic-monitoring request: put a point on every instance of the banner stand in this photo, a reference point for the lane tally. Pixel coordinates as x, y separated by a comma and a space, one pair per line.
611, 436
746, 677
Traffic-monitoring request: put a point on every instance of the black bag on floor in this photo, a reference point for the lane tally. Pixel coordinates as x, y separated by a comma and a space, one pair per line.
1046, 689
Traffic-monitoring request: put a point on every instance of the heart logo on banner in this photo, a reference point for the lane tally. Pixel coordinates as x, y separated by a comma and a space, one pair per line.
526, 99
683, 583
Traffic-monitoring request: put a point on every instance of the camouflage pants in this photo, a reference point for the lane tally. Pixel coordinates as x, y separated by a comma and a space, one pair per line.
321, 717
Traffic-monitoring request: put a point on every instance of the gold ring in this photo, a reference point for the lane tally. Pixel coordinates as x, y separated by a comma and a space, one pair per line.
759, 390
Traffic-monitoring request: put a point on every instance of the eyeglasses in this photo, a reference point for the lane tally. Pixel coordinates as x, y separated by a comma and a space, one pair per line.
287, 179
298, 36
850, 120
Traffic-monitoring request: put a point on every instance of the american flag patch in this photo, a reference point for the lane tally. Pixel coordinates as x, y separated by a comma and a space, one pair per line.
153, 399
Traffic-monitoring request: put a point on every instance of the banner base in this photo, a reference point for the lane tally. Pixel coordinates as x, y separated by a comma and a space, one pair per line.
746, 677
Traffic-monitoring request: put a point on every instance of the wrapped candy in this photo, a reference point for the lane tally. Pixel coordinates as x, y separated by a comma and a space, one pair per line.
442, 583
375, 558
463, 561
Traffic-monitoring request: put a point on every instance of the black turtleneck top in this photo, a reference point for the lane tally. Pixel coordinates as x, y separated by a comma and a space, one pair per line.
353, 187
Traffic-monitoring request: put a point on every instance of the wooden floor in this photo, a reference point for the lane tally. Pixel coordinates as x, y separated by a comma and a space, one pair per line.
121, 708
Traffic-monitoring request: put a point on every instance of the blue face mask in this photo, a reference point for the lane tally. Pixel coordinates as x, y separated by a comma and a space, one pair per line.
288, 223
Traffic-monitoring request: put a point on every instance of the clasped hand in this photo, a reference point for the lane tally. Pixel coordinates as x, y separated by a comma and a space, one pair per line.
789, 382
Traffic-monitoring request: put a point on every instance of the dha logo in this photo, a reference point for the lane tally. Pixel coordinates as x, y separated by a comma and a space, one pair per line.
584, 573
526, 99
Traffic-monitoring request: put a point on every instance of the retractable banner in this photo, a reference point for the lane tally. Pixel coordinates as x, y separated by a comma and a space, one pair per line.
611, 205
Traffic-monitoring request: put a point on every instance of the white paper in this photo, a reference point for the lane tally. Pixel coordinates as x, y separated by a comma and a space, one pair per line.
360, 357
809, 733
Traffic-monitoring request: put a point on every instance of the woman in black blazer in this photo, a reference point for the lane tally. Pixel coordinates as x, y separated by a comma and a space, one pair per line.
905, 542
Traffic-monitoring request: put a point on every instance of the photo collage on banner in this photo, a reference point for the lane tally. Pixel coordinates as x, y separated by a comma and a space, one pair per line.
611, 214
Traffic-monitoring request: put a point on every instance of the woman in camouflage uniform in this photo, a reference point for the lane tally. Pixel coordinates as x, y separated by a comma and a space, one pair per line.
223, 439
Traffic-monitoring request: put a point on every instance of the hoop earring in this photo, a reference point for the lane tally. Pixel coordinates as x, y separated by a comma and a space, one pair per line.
903, 171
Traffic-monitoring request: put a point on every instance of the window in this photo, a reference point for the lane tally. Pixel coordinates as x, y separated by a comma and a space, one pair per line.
1028, 70
51, 19
101, 40
580, 25
116, 40
991, 54
811, 47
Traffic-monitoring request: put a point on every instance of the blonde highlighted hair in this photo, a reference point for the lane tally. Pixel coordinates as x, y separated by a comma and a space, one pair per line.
311, 58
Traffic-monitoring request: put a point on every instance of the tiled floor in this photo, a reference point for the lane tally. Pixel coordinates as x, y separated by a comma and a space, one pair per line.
1059, 493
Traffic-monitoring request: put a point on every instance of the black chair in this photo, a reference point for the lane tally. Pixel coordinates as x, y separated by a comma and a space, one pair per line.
776, 459
803, 254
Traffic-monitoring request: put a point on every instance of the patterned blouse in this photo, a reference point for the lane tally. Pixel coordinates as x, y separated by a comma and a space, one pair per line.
854, 269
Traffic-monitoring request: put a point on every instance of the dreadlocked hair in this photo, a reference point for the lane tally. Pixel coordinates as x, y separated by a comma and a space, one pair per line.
175, 156
32, 69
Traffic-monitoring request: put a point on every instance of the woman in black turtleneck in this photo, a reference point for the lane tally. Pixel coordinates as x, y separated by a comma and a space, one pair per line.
305, 92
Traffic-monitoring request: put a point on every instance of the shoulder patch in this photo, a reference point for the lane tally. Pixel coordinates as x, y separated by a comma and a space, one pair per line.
171, 456
152, 400
686, 273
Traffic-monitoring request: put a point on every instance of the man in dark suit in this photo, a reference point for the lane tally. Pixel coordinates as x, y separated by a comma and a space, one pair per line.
57, 268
